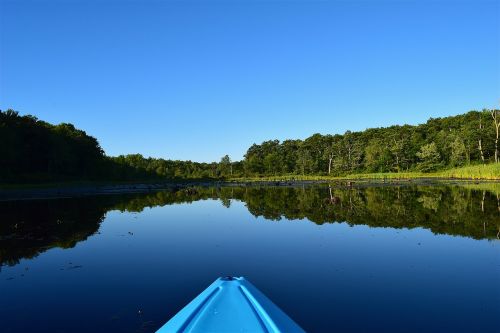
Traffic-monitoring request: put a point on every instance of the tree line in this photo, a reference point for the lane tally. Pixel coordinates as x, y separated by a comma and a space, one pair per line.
33, 151
440, 143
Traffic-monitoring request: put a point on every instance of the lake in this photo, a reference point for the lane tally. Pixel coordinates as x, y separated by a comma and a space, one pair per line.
336, 259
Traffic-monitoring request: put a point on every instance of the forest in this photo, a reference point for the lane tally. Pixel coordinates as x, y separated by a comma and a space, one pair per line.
440, 143
35, 151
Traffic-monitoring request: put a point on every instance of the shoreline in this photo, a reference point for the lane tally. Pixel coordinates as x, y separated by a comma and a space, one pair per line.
75, 190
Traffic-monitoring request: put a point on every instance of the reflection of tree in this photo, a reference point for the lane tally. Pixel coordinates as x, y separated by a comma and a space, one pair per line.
498, 202
447, 210
28, 228
430, 202
226, 202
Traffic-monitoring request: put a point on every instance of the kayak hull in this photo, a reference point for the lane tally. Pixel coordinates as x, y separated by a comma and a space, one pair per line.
231, 304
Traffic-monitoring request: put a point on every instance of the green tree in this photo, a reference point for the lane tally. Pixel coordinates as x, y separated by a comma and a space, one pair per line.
378, 157
225, 166
272, 163
399, 148
458, 152
429, 157
352, 151
304, 161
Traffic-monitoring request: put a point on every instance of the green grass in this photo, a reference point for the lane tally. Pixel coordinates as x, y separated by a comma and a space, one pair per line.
475, 172
489, 171
479, 172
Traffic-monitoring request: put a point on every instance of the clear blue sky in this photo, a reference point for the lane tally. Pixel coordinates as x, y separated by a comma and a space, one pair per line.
199, 79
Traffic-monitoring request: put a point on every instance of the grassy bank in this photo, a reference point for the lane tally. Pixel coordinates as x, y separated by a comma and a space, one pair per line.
489, 171
475, 172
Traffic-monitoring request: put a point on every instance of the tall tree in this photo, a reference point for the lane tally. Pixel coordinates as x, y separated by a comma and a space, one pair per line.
272, 163
377, 156
225, 165
495, 114
330, 150
399, 148
352, 151
480, 140
458, 152
430, 159
304, 161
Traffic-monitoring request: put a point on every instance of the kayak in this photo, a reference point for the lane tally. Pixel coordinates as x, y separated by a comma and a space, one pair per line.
231, 304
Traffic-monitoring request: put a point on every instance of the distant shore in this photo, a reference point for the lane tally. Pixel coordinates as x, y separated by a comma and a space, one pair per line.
486, 172
79, 189
471, 175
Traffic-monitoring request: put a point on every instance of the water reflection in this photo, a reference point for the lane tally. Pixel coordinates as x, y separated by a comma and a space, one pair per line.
28, 228
325, 277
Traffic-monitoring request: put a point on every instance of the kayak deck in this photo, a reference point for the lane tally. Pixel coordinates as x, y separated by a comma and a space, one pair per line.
231, 304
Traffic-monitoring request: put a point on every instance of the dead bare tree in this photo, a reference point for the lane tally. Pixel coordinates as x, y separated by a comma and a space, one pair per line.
495, 114
480, 143
330, 159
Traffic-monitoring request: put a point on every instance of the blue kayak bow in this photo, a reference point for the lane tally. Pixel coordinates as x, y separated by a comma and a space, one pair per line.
231, 304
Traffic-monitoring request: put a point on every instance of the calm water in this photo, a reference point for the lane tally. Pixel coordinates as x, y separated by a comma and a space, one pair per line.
382, 259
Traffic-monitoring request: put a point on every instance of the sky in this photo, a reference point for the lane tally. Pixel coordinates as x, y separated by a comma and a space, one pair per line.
195, 80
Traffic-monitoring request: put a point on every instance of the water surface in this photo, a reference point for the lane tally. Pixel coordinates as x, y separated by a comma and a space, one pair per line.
378, 259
